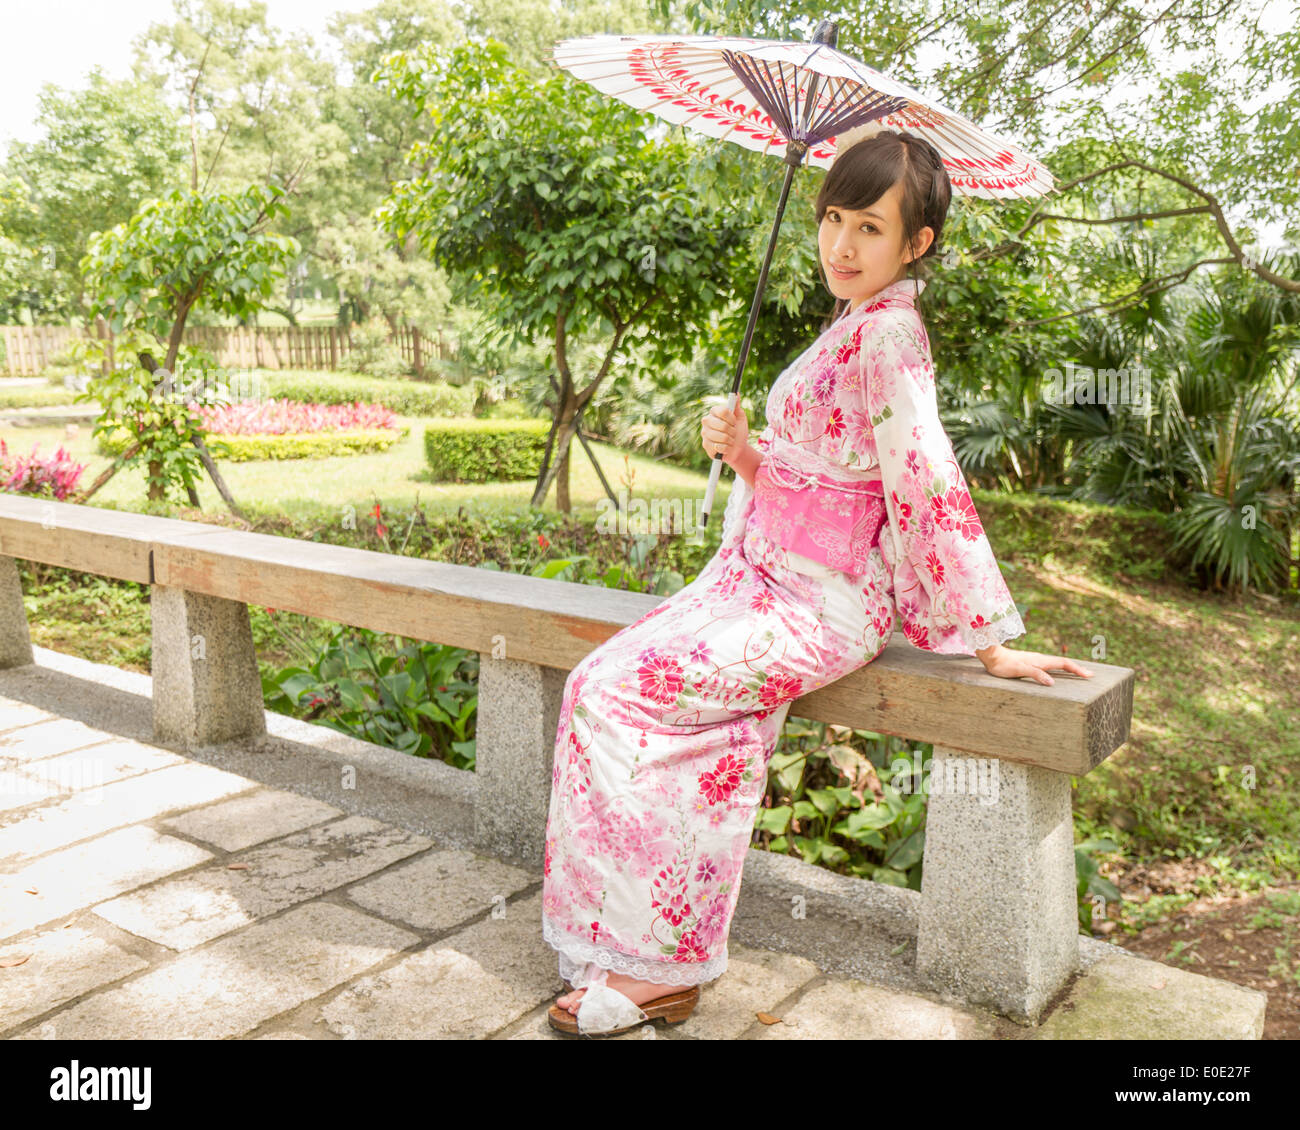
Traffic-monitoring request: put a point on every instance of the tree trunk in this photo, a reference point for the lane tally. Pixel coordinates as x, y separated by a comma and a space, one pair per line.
157, 488
562, 480
564, 439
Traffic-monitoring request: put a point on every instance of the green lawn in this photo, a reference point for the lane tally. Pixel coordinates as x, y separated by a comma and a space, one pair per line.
310, 488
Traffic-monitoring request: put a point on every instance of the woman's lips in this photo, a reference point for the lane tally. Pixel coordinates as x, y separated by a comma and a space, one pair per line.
842, 274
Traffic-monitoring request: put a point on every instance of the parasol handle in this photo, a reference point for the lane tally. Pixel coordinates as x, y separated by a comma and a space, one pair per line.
715, 472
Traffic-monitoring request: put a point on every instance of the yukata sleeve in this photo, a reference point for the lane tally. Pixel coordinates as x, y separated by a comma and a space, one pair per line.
740, 505
948, 590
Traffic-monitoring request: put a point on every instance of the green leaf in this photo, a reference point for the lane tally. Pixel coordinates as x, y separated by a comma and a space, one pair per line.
775, 819
907, 852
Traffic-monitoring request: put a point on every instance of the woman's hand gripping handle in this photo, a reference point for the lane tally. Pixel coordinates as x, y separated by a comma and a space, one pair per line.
725, 435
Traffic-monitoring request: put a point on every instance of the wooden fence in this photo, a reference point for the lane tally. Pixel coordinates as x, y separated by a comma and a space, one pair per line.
28, 349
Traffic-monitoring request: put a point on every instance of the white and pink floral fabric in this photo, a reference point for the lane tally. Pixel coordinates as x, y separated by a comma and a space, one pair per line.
860, 521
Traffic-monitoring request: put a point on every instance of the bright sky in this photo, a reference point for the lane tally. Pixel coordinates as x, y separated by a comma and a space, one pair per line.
59, 41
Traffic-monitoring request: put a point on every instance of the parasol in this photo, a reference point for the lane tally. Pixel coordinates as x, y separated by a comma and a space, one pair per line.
799, 101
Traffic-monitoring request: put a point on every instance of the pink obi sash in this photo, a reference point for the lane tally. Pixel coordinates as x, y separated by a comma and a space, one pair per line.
832, 520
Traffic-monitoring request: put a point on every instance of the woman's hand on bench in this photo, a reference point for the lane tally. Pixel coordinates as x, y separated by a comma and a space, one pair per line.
1008, 663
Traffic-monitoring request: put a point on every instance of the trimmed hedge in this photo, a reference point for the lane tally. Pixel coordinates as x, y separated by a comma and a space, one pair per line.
301, 445
38, 396
405, 397
483, 451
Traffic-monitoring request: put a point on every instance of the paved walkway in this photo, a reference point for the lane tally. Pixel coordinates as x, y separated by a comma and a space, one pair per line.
149, 894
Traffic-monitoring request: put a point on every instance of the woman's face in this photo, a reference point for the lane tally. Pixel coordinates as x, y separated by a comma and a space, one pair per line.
870, 244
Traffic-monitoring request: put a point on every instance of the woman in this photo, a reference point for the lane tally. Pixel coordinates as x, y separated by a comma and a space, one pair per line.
849, 514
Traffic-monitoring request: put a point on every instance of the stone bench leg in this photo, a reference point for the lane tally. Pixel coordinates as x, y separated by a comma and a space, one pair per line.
15, 639
518, 714
206, 685
998, 922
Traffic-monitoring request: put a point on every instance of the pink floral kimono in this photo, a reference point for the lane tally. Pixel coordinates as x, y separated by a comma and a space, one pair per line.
859, 519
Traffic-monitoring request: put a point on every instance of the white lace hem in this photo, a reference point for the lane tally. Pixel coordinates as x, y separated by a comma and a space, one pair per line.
575, 955
1009, 627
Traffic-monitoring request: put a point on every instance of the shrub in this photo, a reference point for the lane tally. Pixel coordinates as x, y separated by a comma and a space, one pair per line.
36, 396
481, 451
373, 351
408, 398
294, 445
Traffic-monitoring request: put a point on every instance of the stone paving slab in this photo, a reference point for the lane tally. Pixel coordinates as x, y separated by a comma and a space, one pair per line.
840, 1008
80, 876
14, 714
48, 739
233, 985
466, 986
755, 981
251, 818
25, 834
442, 889
98, 764
204, 904
60, 965
1134, 998
17, 790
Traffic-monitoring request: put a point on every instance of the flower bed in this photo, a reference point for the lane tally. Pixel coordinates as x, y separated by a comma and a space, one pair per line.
286, 429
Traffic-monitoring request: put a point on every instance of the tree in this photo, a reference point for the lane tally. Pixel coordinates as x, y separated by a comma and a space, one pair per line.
147, 275
547, 200
104, 148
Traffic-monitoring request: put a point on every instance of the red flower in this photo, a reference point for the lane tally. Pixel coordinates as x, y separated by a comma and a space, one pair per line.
778, 688
934, 563
543, 541
904, 510
835, 423
723, 780
955, 509
661, 678
380, 528
689, 948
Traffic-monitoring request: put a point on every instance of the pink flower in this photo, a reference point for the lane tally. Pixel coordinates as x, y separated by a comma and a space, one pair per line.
579, 767
669, 897
762, 601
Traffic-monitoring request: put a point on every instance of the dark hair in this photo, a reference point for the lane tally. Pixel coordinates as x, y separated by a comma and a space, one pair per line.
866, 170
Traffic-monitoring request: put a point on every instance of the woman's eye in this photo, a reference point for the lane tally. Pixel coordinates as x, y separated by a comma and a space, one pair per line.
836, 217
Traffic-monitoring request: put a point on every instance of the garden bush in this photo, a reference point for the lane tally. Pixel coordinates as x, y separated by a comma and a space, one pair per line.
407, 397
481, 451
235, 448
36, 396
374, 352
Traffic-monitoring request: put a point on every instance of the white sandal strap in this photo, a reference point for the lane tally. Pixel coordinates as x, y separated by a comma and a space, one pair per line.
603, 1009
